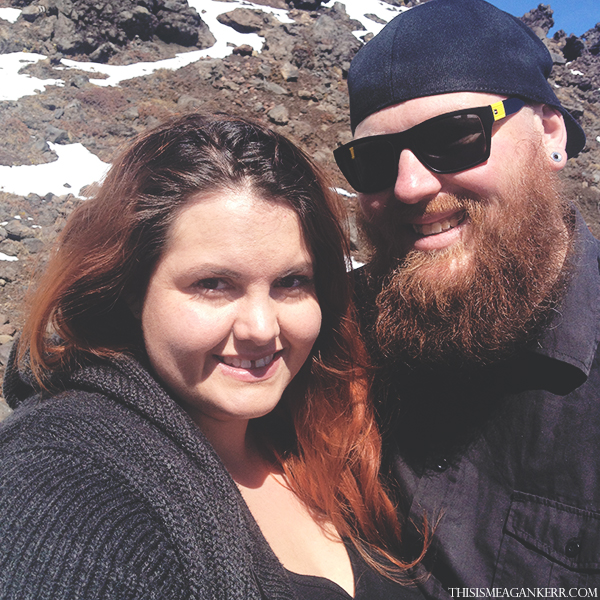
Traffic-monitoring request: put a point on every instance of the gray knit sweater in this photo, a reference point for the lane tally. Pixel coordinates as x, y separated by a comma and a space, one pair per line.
109, 491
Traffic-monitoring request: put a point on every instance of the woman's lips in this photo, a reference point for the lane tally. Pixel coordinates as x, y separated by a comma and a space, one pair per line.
249, 369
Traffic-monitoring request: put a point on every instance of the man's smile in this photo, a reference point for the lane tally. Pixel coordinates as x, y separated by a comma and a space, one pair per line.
436, 227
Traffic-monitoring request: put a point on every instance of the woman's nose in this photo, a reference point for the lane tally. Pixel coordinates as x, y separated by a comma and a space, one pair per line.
257, 320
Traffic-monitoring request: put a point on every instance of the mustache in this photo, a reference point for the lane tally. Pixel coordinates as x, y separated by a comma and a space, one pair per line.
441, 203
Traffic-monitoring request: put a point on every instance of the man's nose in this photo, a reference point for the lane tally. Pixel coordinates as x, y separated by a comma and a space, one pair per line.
415, 182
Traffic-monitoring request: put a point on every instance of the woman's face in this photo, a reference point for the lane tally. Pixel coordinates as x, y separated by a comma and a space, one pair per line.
231, 314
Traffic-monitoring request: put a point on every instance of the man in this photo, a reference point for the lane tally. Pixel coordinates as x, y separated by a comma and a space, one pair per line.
480, 303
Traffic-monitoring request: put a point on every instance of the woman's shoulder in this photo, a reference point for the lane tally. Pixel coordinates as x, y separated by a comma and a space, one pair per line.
102, 406
80, 516
60, 450
71, 419
73, 526
86, 478
109, 461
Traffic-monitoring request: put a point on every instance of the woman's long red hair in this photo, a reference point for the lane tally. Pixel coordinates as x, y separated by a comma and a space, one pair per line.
323, 433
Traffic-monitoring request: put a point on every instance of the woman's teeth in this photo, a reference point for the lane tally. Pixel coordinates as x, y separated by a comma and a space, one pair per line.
240, 363
438, 227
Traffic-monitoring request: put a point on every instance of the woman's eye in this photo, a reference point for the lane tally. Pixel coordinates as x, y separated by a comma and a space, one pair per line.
294, 281
211, 283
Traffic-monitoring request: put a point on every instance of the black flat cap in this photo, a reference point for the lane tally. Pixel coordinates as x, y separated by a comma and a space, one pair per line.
445, 46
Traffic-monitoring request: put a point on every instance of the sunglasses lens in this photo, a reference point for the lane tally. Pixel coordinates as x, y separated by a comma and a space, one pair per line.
453, 143
448, 144
369, 166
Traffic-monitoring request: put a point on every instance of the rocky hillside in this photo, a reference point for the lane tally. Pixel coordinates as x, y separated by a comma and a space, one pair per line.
296, 84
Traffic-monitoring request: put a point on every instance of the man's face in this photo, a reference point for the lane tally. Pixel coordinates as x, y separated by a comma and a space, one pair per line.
421, 211
466, 261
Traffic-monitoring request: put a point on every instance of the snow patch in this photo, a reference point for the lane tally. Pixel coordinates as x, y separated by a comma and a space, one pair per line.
75, 168
15, 84
9, 14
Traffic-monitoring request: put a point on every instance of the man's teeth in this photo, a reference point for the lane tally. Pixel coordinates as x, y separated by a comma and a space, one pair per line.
234, 361
438, 227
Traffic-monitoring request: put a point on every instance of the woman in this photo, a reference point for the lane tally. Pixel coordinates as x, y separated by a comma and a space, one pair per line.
190, 403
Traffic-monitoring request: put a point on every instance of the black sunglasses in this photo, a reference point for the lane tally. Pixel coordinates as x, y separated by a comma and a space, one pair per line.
448, 143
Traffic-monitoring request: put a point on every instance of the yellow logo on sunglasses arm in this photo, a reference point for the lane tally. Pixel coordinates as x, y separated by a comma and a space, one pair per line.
498, 110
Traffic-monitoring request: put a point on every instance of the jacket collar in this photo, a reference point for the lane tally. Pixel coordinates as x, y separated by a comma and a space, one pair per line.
573, 334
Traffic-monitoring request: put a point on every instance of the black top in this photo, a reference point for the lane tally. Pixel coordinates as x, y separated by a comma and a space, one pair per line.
369, 585
509, 456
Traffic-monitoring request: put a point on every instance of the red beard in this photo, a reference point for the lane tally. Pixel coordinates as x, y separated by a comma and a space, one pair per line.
485, 297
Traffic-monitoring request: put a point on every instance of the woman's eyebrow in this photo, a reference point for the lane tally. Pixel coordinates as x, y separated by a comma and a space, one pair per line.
298, 268
210, 270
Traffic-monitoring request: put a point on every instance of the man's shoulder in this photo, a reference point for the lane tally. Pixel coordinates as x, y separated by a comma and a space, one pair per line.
573, 333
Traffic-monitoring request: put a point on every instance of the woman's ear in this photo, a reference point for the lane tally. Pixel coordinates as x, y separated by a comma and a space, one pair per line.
554, 136
135, 305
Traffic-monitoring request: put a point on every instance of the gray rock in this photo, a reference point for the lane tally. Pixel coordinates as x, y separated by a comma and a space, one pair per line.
289, 72
573, 48
188, 102
41, 145
8, 270
103, 52
47, 215
302, 129
180, 24
73, 108
279, 115
80, 80
243, 50
66, 38
46, 27
32, 12
264, 70
304, 4
56, 135
17, 230
243, 20
335, 44
11, 248
121, 130
272, 88
33, 245
131, 114
539, 20
48, 103
137, 21
8, 329
558, 59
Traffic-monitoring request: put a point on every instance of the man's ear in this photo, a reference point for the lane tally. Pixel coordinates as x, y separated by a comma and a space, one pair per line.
554, 136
